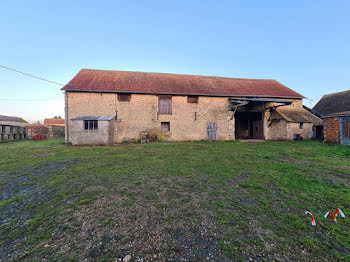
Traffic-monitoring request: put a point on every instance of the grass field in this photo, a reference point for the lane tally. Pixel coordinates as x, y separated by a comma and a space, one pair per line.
188, 201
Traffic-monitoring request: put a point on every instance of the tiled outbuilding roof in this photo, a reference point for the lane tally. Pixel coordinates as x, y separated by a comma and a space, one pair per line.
90, 80
333, 103
298, 115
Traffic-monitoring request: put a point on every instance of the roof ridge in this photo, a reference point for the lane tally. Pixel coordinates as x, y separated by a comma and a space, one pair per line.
336, 93
167, 73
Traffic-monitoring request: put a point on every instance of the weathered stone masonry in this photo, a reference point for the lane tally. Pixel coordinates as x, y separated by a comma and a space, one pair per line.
188, 121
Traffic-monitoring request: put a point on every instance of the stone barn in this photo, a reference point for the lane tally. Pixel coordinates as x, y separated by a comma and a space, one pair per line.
106, 107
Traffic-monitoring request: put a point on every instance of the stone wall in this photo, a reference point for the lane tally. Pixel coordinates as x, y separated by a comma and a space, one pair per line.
187, 122
331, 127
294, 128
284, 130
56, 130
277, 130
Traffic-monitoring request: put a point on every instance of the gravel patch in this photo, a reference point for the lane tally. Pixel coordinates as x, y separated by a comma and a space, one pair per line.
21, 189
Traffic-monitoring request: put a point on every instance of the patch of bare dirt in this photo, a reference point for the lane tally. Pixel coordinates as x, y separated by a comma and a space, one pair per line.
24, 188
143, 230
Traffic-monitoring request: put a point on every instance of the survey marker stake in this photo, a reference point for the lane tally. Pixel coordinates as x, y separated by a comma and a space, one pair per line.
313, 222
333, 216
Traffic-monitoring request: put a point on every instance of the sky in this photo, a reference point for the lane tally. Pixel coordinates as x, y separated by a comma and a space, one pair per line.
303, 44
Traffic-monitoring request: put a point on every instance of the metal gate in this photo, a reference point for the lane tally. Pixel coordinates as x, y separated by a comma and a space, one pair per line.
212, 131
345, 130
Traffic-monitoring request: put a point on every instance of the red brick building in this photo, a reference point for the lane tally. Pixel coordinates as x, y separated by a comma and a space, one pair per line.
331, 130
335, 109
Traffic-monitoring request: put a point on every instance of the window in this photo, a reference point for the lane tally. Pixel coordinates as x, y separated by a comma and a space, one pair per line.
3, 129
14, 136
11, 129
165, 105
20, 136
297, 137
192, 99
124, 97
165, 126
90, 124
301, 125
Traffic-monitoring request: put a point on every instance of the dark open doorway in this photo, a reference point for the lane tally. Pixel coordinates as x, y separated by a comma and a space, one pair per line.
249, 125
319, 132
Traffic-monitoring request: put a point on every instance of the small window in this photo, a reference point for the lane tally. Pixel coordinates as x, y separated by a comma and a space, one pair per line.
14, 136
192, 99
165, 126
90, 124
301, 125
297, 137
124, 97
165, 105
3, 129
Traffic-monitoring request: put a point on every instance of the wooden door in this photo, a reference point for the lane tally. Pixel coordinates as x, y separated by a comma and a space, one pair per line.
257, 129
212, 131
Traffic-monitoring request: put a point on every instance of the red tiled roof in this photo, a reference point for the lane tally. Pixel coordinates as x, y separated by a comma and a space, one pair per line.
54, 121
164, 83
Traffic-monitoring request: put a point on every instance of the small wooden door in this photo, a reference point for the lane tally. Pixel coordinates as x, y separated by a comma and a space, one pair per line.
257, 129
212, 131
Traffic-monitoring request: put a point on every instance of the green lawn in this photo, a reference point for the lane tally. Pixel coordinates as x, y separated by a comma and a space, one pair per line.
188, 201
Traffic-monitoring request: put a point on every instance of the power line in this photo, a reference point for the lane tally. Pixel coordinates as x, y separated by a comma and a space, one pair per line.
43, 79
28, 100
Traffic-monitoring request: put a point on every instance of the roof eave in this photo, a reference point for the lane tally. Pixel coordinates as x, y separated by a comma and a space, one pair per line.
179, 94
